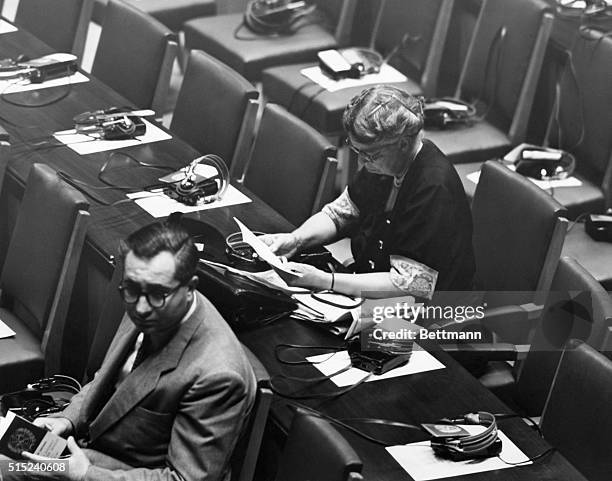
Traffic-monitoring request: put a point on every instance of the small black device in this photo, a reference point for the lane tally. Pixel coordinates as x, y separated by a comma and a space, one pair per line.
374, 361
545, 164
451, 442
39, 69
115, 123
190, 187
443, 113
599, 227
349, 62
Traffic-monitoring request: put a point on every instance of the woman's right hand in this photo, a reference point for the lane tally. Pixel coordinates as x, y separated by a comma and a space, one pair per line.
282, 244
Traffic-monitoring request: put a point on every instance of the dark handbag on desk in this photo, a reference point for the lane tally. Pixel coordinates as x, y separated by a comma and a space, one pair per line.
241, 301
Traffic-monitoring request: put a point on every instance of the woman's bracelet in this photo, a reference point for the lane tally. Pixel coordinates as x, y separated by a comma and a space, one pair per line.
331, 288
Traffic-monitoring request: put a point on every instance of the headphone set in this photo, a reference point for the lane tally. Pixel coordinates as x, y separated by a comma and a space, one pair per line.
453, 442
445, 112
276, 17
192, 188
114, 123
545, 164
35, 400
39, 69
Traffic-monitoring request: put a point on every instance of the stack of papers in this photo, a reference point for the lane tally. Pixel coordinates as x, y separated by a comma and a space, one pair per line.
339, 319
5, 331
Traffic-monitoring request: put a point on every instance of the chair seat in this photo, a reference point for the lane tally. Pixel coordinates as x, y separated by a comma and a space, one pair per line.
285, 85
175, 13
594, 256
21, 360
485, 141
215, 35
585, 198
172, 14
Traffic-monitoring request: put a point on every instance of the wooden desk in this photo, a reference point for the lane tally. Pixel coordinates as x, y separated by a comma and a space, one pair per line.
414, 399
108, 224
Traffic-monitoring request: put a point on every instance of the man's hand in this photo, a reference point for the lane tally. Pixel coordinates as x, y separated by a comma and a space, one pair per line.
59, 426
77, 462
282, 244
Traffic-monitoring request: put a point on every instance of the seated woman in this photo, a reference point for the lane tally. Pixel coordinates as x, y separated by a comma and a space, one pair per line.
405, 211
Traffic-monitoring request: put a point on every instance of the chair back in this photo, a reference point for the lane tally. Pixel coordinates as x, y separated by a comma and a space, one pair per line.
581, 120
135, 55
216, 109
502, 70
518, 235
246, 452
43, 256
316, 450
292, 166
577, 418
338, 13
578, 307
5, 148
425, 23
61, 24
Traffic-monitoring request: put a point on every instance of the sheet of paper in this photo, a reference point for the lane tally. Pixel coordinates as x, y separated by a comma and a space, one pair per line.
420, 361
13, 86
387, 74
158, 204
328, 312
5, 331
6, 27
542, 184
81, 145
420, 462
263, 251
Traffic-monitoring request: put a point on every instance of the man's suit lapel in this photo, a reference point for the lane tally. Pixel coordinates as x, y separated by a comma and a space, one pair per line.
139, 383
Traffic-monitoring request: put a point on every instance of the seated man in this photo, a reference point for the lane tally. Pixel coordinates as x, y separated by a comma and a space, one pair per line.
405, 211
175, 388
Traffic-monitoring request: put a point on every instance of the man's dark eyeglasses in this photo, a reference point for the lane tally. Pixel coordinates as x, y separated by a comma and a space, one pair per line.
131, 293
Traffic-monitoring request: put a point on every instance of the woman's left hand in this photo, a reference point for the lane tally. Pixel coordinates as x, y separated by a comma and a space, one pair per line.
311, 277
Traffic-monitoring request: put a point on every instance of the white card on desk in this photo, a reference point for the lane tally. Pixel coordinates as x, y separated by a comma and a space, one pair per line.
6, 27
420, 462
84, 144
13, 86
159, 204
387, 74
420, 361
5, 331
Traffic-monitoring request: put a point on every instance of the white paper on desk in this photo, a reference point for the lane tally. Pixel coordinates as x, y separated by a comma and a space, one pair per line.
5, 331
420, 462
420, 361
6, 27
263, 251
159, 204
78, 142
387, 74
13, 86
542, 184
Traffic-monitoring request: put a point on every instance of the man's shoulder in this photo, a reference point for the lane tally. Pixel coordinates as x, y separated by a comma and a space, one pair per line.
214, 348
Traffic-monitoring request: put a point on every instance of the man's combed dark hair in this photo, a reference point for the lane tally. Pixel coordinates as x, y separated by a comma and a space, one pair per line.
158, 237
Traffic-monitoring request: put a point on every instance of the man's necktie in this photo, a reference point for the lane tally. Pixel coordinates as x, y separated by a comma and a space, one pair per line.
143, 351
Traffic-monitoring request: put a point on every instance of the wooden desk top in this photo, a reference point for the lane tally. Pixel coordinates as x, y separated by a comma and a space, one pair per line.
414, 399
